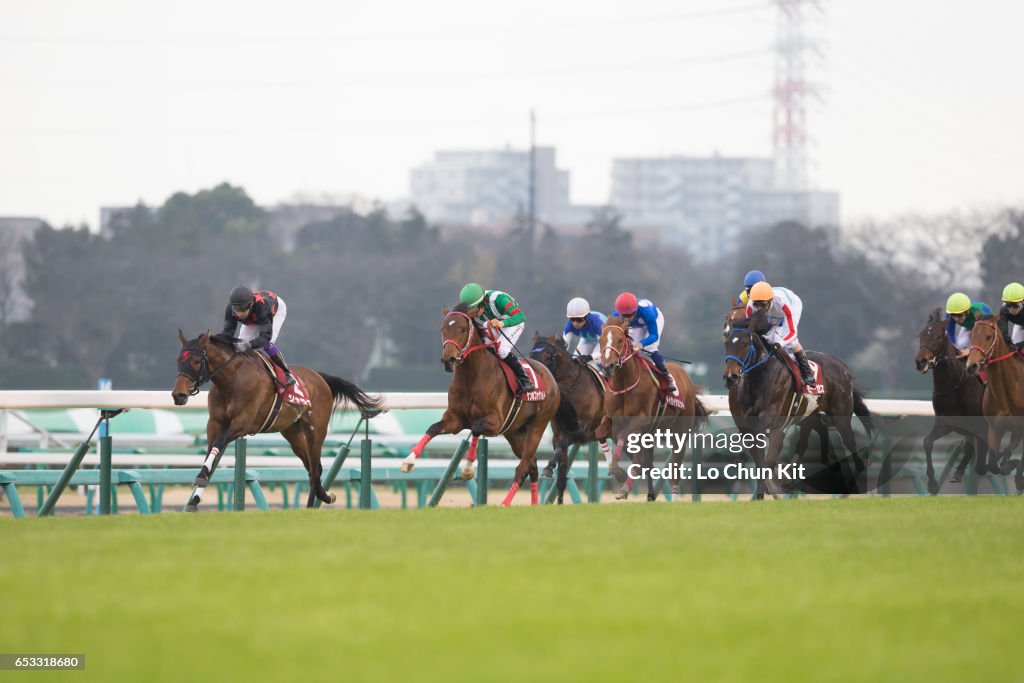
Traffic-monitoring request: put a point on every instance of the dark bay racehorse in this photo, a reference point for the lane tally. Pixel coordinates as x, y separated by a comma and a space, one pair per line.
763, 399
479, 400
1003, 402
956, 398
632, 402
582, 391
242, 396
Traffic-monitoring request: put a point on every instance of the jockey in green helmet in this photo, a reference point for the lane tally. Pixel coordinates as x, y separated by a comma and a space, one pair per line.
498, 317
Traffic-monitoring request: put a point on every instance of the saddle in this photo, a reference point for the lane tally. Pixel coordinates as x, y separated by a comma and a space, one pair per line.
539, 392
799, 387
295, 394
673, 399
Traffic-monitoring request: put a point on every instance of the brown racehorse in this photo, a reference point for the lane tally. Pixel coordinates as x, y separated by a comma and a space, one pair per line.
761, 394
1003, 403
583, 392
241, 399
479, 400
632, 398
956, 398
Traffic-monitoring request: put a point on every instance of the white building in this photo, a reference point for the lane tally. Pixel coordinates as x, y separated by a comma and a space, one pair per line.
707, 203
487, 187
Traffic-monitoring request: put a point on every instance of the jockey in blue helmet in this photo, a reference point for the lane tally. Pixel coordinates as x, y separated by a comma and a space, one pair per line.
749, 280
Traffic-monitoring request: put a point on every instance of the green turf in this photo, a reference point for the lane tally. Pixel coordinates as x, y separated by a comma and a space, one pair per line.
899, 589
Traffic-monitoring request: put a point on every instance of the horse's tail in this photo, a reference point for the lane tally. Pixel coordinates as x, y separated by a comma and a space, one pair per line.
567, 421
701, 414
342, 390
869, 421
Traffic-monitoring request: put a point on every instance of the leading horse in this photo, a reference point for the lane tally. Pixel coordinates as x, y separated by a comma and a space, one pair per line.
480, 400
1003, 402
242, 398
763, 399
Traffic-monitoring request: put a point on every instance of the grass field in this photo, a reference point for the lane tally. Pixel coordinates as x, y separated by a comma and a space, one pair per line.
878, 589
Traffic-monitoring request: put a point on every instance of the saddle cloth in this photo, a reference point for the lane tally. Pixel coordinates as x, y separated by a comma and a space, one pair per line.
540, 391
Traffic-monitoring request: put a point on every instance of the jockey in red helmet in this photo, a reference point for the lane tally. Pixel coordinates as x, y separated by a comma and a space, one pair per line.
646, 323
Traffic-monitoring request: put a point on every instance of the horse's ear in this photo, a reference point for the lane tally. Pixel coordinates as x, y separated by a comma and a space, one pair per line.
181, 337
204, 339
536, 336
445, 311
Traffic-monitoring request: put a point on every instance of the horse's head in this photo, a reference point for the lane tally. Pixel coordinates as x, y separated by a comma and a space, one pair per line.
741, 350
615, 345
193, 367
457, 335
934, 343
985, 342
551, 352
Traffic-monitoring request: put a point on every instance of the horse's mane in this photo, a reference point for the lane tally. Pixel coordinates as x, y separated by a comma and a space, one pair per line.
223, 339
460, 308
987, 316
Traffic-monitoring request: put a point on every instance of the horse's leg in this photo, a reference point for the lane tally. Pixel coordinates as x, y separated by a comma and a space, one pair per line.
652, 488
492, 423
771, 461
218, 437
556, 441
1006, 463
448, 424
299, 437
940, 429
970, 453
562, 454
517, 441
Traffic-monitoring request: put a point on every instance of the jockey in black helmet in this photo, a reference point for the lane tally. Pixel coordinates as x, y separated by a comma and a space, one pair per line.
257, 317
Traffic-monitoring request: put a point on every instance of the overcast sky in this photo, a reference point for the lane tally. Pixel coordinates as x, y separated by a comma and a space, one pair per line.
107, 102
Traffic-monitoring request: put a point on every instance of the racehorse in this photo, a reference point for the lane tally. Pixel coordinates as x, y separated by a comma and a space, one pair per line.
1003, 402
584, 393
242, 398
956, 397
634, 396
763, 399
480, 400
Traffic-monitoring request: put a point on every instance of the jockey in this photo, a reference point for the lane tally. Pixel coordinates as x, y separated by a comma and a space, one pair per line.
783, 310
962, 315
1012, 311
646, 324
585, 325
500, 317
260, 315
749, 280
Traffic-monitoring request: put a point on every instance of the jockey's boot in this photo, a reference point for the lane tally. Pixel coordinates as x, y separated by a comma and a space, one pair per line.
806, 374
659, 362
289, 378
524, 382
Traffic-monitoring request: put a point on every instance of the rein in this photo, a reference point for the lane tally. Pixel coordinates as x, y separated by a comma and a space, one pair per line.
985, 359
943, 357
751, 361
204, 375
465, 349
622, 361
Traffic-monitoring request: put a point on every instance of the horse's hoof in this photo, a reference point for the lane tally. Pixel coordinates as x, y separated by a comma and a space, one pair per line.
676, 490
191, 508
467, 473
1008, 467
651, 498
933, 486
1019, 481
547, 472
331, 498
407, 466
623, 494
956, 478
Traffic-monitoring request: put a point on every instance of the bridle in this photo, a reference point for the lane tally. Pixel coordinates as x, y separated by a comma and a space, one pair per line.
551, 363
464, 349
623, 356
203, 375
753, 359
986, 354
942, 357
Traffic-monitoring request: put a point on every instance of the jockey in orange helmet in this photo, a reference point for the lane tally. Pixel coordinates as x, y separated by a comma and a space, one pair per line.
783, 309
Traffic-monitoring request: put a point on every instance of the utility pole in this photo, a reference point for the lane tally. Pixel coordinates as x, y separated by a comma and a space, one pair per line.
531, 214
